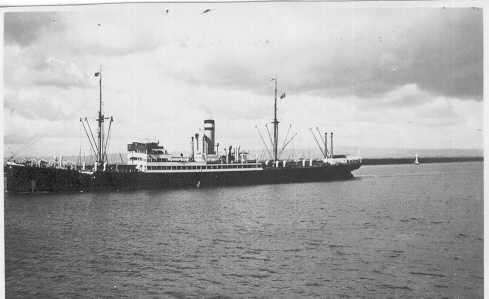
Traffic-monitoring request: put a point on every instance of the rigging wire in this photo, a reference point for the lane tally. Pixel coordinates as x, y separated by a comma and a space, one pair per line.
269, 135
34, 140
88, 136
317, 142
90, 128
287, 143
108, 139
263, 140
324, 142
286, 135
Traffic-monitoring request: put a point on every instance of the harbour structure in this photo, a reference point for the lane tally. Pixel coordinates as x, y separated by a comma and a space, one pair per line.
150, 165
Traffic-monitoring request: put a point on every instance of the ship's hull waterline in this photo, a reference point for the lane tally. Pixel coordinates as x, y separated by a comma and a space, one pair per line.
34, 179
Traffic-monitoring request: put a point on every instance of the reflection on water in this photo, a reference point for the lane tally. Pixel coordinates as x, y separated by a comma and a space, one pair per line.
399, 230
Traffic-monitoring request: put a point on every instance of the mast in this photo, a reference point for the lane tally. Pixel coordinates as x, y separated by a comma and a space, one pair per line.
100, 121
275, 124
100, 144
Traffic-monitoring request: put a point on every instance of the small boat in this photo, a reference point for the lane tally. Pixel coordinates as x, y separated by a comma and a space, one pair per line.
416, 161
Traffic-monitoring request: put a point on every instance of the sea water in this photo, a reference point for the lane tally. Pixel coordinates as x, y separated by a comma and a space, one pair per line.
393, 231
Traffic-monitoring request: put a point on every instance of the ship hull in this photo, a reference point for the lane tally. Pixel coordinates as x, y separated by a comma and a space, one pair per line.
37, 179
32, 179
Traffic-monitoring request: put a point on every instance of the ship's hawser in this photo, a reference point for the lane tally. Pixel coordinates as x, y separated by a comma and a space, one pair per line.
150, 165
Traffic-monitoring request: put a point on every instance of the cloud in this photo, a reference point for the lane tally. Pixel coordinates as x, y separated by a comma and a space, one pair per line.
29, 66
439, 50
412, 105
334, 51
447, 57
405, 96
116, 31
59, 73
24, 28
35, 108
360, 71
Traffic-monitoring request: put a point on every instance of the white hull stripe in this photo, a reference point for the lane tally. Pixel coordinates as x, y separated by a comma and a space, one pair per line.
202, 170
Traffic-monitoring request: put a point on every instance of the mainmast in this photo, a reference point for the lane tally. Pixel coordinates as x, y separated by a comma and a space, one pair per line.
275, 125
100, 145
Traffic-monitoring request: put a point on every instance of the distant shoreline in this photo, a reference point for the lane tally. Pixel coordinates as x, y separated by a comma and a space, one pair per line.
386, 161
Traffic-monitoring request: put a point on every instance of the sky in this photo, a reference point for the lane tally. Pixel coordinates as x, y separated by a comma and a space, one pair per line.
388, 78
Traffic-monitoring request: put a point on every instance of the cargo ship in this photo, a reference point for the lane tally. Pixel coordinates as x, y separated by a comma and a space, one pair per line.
149, 165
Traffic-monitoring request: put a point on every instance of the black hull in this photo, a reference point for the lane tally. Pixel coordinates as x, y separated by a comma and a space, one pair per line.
35, 179
32, 179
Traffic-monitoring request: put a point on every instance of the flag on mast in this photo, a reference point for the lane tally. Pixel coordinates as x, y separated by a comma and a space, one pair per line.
282, 96
97, 74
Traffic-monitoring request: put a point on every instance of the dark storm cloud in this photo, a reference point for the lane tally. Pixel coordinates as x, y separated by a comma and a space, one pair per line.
23, 28
448, 57
441, 53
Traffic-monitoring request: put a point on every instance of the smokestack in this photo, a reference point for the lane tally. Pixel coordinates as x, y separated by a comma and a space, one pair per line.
192, 148
209, 133
332, 154
197, 141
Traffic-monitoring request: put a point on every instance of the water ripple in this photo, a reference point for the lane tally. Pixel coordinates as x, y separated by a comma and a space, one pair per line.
399, 231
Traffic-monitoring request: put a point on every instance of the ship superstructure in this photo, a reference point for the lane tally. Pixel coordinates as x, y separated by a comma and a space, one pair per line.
204, 156
152, 157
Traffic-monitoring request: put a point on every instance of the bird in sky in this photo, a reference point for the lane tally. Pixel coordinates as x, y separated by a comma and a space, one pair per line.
206, 11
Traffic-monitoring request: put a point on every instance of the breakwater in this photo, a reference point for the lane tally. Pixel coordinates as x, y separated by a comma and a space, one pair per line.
383, 161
